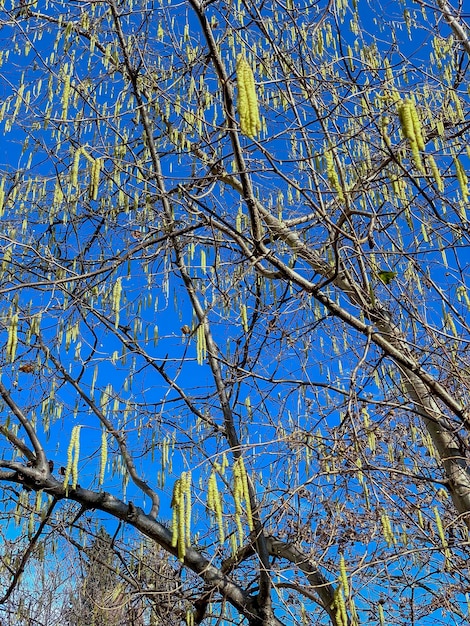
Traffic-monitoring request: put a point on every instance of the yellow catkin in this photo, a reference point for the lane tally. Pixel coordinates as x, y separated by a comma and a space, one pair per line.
406, 120
68, 467
201, 347
12, 340
247, 103
418, 131
343, 576
181, 519
237, 498
416, 156
86, 154
174, 520
94, 179
2, 196
340, 606
74, 170
233, 544
244, 317
462, 178
181, 528
19, 100
71, 468
381, 615
411, 128
214, 504
104, 456
383, 126
440, 528
65, 97
116, 301
225, 463
435, 172
333, 175
38, 502
245, 492
76, 454
221, 467
165, 453
387, 529
187, 508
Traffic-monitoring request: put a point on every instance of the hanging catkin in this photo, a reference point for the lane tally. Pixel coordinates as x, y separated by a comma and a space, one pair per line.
411, 128
247, 104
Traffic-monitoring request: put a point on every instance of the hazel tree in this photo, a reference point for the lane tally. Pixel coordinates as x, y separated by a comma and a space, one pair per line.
235, 313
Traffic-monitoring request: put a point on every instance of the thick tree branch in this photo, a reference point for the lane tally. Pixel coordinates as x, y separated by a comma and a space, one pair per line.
460, 31
40, 456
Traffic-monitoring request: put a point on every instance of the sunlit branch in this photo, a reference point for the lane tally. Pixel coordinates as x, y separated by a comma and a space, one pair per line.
459, 31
